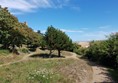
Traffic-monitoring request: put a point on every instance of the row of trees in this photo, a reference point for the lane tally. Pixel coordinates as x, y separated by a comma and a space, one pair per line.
104, 52
14, 33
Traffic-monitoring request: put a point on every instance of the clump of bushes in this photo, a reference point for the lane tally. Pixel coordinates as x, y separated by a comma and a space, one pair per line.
78, 49
104, 52
24, 50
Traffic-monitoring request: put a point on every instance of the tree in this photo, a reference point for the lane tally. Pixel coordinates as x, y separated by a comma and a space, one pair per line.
13, 33
56, 39
9, 34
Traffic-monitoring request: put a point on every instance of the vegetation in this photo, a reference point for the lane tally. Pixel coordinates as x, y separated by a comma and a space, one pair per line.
4, 52
14, 35
104, 52
9, 25
114, 74
48, 71
78, 49
56, 39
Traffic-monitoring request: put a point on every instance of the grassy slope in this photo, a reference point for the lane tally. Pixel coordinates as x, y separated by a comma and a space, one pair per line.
4, 52
64, 71
6, 56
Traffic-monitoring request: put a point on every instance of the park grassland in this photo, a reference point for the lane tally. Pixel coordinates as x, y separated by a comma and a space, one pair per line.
46, 70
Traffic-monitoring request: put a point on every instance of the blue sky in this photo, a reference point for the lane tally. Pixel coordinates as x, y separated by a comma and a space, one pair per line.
82, 20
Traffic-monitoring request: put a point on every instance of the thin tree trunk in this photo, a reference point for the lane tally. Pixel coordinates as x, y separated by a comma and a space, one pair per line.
59, 53
50, 53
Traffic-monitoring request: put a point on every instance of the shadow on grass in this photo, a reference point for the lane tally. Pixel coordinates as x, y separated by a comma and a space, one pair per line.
46, 56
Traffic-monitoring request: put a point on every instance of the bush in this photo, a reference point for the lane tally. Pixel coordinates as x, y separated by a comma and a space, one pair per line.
104, 52
78, 49
24, 50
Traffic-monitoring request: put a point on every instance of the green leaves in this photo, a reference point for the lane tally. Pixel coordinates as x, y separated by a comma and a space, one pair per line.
105, 52
56, 39
13, 33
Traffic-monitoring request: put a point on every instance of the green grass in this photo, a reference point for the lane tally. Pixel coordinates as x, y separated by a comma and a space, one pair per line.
4, 52
42, 71
34, 71
114, 74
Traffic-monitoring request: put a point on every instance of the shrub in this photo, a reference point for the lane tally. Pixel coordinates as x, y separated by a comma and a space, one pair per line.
24, 50
104, 52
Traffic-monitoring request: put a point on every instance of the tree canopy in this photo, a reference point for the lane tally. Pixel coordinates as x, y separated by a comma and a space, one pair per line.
56, 39
14, 33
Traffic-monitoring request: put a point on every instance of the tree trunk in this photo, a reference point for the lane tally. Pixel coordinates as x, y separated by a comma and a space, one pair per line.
50, 53
59, 53
5, 46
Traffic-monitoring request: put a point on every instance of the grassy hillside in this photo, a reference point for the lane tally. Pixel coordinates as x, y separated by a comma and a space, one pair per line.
46, 70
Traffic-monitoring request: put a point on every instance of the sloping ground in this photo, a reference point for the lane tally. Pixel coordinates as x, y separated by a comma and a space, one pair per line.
70, 69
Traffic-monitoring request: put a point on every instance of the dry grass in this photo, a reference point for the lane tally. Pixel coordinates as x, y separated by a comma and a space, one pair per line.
65, 70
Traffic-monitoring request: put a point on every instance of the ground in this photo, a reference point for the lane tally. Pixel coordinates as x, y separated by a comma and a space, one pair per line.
67, 69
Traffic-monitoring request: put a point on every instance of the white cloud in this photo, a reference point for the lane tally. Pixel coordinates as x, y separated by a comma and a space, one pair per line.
104, 27
29, 5
72, 31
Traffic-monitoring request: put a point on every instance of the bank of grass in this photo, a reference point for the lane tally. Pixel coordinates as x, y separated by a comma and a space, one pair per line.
6, 56
114, 74
44, 71
4, 52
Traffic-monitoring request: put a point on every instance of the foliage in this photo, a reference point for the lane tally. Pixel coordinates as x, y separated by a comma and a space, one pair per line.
13, 33
24, 50
114, 74
8, 27
43, 42
104, 52
56, 39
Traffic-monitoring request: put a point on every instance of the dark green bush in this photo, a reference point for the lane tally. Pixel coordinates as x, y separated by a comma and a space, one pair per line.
104, 52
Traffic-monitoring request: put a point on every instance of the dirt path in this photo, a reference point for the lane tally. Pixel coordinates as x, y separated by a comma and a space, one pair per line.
101, 75
24, 58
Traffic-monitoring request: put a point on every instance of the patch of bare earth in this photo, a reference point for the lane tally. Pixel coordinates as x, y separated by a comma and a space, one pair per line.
101, 75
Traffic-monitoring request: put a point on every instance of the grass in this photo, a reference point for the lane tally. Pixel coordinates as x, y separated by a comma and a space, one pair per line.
42, 71
4, 52
114, 74
21, 72
6, 56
